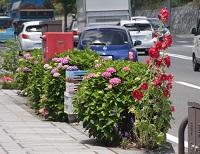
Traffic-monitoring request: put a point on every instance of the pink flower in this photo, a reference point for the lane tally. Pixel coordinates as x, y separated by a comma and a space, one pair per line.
56, 74
90, 75
97, 65
110, 70
53, 71
46, 112
106, 74
114, 81
41, 111
60, 65
126, 68
27, 55
36, 62
25, 69
18, 69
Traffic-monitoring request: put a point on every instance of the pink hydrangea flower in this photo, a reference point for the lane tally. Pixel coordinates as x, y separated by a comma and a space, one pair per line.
25, 69
90, 75
44, 112
36, 62
27, 55
110, 70
53, 71
65, 60
97, 65
106, 74
56, 74
18, 69
114, 81
60, 65
126, 68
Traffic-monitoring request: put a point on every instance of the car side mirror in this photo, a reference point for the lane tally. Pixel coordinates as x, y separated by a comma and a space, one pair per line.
194, 31
137, 42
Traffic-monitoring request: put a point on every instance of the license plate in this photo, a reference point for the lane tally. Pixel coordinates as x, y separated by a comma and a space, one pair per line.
108, 57
2, 30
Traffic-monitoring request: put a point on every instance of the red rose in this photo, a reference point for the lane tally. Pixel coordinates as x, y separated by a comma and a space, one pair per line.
137, 94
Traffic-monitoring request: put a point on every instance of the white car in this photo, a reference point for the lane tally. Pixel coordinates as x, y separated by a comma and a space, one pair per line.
155, 23
29, 36
196, 48
140, 30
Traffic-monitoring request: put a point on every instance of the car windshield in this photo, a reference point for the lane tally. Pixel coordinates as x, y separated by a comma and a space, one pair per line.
138, 27
155, 23
105, 37
5, 22
34, 28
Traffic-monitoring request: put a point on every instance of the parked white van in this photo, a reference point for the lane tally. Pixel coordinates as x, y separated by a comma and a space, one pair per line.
196, 48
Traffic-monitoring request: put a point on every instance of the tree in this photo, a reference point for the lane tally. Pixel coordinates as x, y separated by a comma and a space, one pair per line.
68, 7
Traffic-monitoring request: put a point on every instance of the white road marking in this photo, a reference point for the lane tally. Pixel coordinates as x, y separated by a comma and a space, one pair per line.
182, 41
187, 84
179, 56
189, 46
175, 140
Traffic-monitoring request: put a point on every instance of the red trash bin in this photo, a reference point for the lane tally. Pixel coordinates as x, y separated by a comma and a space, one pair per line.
55, 42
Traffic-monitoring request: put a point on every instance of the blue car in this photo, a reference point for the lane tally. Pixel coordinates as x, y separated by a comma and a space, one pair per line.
113, 42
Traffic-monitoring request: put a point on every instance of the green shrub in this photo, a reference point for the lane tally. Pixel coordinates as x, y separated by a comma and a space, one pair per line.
9, 56
54, 81
102, 106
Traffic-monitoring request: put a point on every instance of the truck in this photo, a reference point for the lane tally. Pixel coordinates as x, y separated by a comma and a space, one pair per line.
30, 10
6, 28
102, 12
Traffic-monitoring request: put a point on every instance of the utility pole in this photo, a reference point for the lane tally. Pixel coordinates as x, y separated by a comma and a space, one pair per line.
133, 7
169, 9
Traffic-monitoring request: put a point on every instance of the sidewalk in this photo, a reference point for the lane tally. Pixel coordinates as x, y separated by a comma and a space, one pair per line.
22, 132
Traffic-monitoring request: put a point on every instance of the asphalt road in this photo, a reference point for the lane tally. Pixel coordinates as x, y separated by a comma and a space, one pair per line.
186, 85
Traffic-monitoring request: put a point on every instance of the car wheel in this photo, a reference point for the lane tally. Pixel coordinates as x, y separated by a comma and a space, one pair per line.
196, 66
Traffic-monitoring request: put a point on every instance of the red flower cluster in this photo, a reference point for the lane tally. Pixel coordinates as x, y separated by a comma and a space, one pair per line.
137, 94
163, 15
156, 63
7, 79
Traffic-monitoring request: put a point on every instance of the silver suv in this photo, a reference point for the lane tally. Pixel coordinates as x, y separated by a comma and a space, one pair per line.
196, 48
